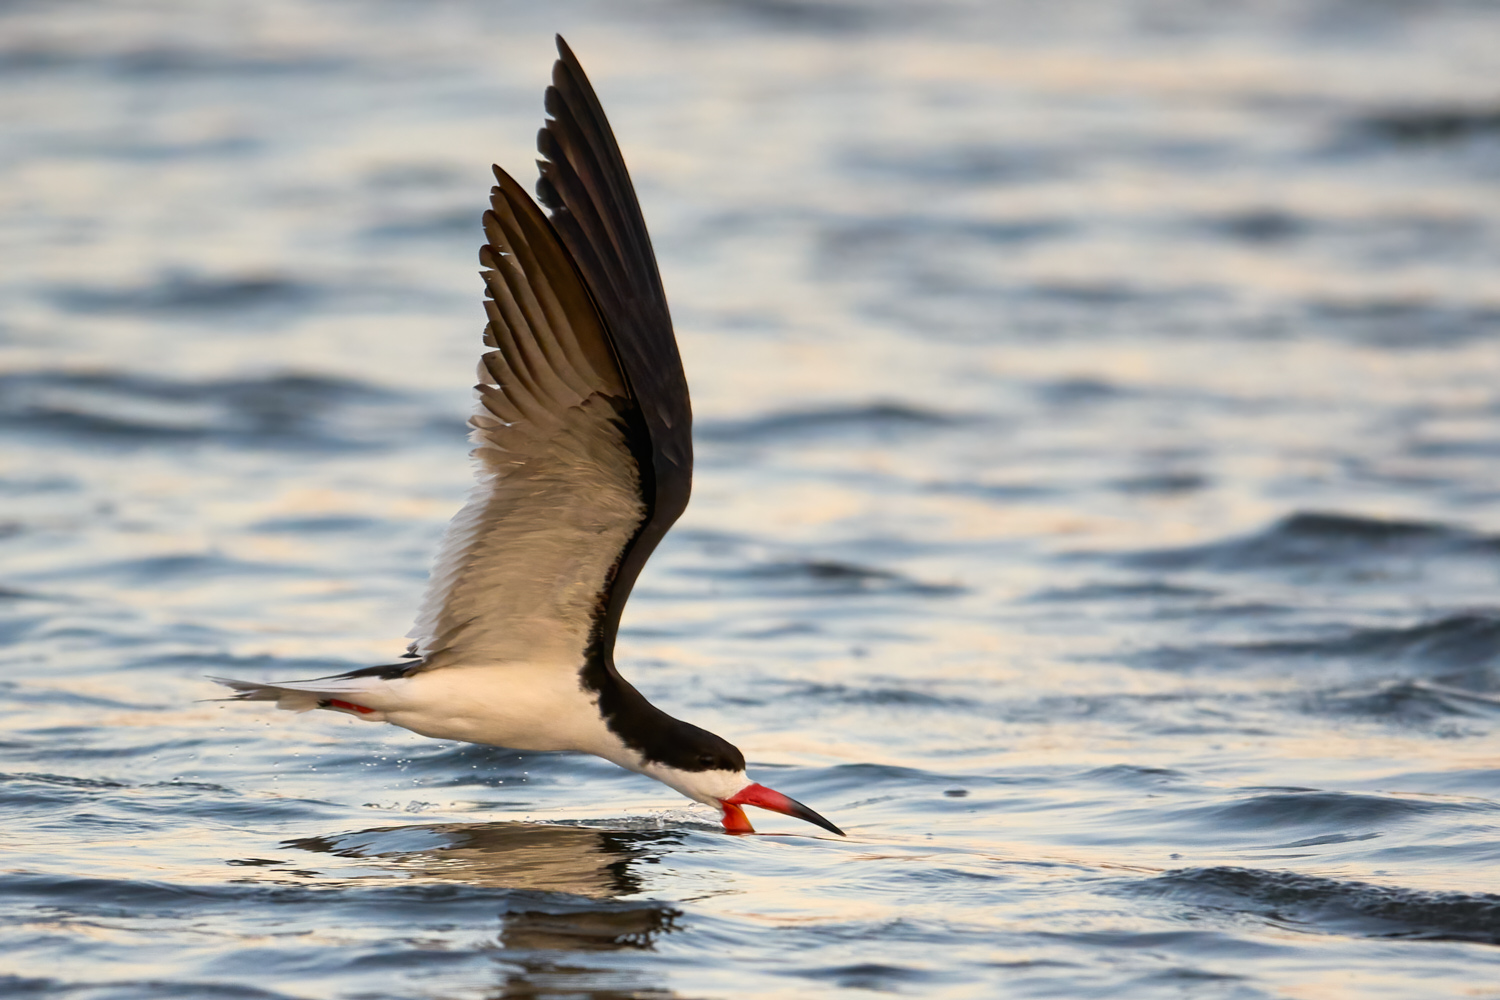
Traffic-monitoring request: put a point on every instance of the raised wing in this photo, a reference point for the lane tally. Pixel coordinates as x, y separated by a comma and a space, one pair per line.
525, 566
594, 209
584, 428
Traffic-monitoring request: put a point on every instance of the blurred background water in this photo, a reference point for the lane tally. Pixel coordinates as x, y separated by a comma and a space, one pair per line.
1096, 511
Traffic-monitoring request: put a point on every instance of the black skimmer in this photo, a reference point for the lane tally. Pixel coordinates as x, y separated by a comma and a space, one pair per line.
584, 460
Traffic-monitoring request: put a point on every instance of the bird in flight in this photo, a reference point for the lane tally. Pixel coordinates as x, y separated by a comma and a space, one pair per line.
584, 459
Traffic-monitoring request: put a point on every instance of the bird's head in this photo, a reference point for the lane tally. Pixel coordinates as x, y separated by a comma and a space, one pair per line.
711, 770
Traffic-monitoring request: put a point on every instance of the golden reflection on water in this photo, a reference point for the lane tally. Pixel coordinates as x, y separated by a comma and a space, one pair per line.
574, 860
567, 875
879, 278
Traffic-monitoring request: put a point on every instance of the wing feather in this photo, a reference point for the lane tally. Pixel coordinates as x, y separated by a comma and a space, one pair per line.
593, 206
584, 429
525, 564
532, 310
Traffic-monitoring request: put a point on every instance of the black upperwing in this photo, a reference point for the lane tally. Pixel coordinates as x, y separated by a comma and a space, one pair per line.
594, 211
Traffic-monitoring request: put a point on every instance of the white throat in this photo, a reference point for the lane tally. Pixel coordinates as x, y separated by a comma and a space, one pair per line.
708, 787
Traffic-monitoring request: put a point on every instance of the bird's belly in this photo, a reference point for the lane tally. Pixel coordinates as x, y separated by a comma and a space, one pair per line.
518, 705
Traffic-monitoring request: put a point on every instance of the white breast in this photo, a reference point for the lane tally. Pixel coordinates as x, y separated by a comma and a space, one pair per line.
525, 706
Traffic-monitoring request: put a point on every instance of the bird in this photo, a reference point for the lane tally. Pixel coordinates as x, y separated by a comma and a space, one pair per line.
583, 460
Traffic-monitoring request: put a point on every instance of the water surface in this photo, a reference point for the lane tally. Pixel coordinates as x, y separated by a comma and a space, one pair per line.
1096, 512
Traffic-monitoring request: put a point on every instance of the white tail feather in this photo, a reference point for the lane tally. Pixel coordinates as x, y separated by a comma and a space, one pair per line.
303, 696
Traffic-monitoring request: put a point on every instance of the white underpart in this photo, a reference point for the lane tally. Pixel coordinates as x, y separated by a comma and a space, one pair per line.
524, 706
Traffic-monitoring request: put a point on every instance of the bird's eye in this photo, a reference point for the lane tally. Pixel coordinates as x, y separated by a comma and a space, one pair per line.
707, 760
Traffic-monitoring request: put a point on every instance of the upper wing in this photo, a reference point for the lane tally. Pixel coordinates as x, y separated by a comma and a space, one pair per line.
525, 565
584, 431
594, 209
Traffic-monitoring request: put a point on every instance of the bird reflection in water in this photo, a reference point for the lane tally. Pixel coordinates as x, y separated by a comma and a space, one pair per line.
534, 938
566, 881
527, 856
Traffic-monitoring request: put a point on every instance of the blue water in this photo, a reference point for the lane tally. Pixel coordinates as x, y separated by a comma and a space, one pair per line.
1096, 511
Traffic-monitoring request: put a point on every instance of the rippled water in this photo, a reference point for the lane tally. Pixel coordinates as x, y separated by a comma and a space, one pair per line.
1096, 515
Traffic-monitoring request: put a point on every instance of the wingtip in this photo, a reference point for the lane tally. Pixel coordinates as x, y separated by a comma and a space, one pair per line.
567, 72
504, 180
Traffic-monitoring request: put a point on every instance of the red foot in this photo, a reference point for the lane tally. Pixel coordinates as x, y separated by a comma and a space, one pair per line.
335, 703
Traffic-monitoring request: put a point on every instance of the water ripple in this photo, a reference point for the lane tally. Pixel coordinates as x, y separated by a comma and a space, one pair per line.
1332, 906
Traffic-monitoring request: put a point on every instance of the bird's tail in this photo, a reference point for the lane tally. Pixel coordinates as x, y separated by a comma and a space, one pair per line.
338, 694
